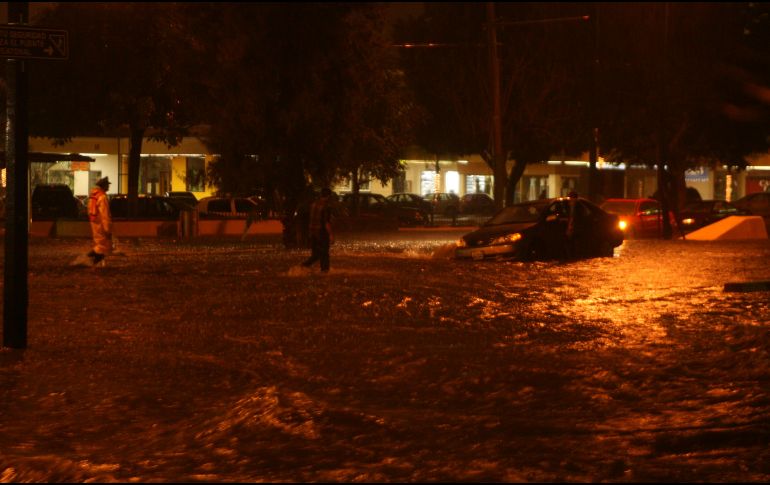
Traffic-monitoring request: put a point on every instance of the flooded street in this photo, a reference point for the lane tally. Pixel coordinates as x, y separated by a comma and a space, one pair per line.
214, 361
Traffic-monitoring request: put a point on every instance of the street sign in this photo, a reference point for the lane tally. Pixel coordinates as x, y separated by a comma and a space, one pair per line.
17, 42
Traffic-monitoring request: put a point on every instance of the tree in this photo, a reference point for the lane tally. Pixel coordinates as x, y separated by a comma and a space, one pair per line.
667, 102
125, 71
542, 94
309, 95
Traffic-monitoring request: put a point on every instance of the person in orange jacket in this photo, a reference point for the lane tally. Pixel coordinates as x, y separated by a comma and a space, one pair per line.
101, 220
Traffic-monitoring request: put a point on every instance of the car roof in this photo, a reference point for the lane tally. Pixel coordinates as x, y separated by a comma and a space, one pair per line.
622, 199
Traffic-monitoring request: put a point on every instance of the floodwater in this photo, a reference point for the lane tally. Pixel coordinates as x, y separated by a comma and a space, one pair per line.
214, 361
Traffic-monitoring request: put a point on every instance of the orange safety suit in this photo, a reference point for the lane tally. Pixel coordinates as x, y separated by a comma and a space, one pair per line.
101, 221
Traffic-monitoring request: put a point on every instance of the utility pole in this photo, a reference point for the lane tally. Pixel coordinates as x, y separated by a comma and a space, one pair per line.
15, 290
664, 177
499, 159
593, 154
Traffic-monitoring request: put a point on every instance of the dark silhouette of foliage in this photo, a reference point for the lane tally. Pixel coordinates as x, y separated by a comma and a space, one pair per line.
125, 74
303, 93
670, 90
543, 88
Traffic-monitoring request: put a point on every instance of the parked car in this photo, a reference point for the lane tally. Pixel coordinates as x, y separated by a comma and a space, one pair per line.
53, 201
369, 210
227, 208
445, 204
538, 230
698, 214
477, 203
153, 207
638, 218
188, 198
757, 204
412, 201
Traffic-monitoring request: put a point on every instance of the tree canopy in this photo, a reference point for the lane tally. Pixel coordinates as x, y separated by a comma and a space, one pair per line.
304, 93
124, 74
542, 82
660, 82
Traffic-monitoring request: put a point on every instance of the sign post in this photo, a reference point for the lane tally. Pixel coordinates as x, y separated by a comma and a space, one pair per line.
18, 43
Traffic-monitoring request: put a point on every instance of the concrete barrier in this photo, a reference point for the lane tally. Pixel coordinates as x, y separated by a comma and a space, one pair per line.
41, 228
66, 228
170, 229
731, 228
746, 286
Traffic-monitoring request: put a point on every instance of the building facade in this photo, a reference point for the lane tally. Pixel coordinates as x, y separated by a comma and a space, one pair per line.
183, 168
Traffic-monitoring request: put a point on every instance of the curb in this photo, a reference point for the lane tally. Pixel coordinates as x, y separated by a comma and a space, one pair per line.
748, 286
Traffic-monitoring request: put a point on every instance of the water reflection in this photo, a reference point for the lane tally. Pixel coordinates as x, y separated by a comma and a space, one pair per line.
213, 363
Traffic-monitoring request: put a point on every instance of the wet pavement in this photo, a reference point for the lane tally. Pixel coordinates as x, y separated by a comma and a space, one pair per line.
214, 361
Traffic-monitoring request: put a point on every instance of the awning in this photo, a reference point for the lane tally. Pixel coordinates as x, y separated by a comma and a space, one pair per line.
50, 157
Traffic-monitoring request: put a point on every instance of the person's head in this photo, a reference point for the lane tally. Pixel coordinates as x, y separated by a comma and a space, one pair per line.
104, 183
326, 192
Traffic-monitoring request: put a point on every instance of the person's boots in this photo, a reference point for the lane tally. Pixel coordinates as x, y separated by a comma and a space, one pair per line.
98, 258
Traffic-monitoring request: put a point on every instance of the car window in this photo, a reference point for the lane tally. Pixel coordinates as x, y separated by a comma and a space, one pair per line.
219, 205
118, 207
166, 208
624, 207
376, 202
582, 209
721, 207
243, 205
517, 213
698, 207
649, 208
559, 208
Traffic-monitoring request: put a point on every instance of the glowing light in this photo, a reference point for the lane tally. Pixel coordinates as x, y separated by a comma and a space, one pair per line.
507, 239
622, 225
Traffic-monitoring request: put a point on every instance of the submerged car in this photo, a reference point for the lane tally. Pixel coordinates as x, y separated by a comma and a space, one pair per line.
148, 206
537, 230
227, 207
374, 211
702, 213
444, 203
477, 203
53, 201
186, 197
412, 202
638, 218
757, 204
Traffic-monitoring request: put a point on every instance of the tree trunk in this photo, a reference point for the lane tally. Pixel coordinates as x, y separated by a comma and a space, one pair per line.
679, 194
664, 192
513, 179
134, 162
355, 188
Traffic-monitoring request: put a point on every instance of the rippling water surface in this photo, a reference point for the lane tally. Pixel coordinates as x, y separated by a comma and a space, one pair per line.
216, 361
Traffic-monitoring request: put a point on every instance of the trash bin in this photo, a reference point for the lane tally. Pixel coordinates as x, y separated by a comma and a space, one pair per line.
188, 223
